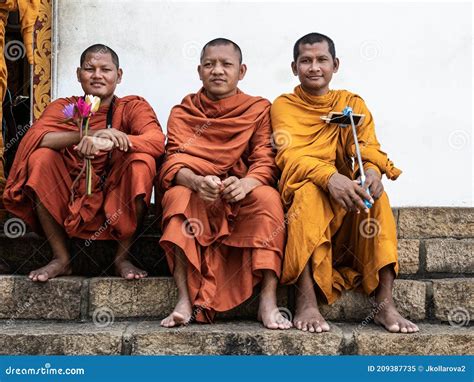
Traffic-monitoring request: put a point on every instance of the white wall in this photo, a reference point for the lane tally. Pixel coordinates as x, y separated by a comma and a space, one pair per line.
410, 61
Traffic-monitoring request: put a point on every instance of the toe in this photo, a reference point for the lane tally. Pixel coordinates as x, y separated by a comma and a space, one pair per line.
394, 328
311, 328
43, 277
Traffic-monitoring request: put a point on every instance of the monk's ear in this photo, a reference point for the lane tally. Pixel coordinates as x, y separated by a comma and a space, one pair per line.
336, 65
78, 74
119, 75
242, 71
199, 71
294, 69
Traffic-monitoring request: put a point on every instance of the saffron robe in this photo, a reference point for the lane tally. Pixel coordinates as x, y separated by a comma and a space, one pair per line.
345, 250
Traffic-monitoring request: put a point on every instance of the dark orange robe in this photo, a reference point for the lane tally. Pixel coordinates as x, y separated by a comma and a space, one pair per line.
345, 250
109, 213
226, 244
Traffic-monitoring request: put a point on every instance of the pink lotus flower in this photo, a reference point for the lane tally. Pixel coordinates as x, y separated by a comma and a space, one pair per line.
69, 111
84, 108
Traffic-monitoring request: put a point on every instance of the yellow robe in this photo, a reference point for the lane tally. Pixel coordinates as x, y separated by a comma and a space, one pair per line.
346, 250
28, 10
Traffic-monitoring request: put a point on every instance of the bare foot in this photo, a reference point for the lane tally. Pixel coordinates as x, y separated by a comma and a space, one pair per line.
271, 317
308, 318
181, 315
54, 268
129, 271
390, 319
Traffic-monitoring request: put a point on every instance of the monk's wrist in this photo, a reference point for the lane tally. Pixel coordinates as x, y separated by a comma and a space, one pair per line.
196, 181
248, 184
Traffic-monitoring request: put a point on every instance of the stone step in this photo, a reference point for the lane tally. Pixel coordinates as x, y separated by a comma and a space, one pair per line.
431, 222
230, 338
417, 258
79, 298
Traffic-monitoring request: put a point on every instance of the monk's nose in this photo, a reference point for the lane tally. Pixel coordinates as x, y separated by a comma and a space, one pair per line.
217, 69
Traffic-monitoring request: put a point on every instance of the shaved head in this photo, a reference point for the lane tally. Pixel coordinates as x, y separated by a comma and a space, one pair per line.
222, 41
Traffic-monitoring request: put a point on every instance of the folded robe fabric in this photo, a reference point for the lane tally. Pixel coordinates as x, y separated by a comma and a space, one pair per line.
310, 151
226, 244
109, 213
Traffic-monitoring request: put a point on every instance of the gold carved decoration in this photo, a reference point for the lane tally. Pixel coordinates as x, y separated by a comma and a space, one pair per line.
42, 59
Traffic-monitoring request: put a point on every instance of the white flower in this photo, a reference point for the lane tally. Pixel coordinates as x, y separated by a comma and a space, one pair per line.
94, 101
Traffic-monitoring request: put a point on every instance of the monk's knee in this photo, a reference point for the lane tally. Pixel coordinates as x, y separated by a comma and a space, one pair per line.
44, 157
265, 194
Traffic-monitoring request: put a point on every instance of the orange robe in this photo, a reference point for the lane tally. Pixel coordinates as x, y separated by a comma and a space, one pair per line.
226, 244
28, 10
109, 213
345, 250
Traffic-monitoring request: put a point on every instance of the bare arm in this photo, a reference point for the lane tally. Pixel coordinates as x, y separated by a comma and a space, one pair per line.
187, 178
60, 140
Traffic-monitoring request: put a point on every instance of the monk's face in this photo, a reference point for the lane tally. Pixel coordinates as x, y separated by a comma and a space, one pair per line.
220, 71
99, 76
315, 67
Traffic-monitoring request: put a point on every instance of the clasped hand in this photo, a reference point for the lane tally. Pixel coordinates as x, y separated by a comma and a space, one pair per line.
211, 187
350, 195
102, 140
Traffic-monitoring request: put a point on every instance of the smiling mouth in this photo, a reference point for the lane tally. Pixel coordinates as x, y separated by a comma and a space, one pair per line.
218, 81
97, 84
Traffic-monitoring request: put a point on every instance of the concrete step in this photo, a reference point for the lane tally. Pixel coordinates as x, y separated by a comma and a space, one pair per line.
231, 338
79, 298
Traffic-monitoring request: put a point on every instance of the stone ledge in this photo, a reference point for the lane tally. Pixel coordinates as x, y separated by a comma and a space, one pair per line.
408, 256
431, 340
230, 338
450, 256
57, 299
56, 338
409, 297
454, 300
428, 222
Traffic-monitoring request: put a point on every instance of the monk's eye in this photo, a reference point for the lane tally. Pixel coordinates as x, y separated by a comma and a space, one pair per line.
228, 64
207, 65
88, 69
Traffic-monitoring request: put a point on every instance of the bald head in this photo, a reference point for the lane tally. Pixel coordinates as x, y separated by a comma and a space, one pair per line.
220, 42
103, 49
